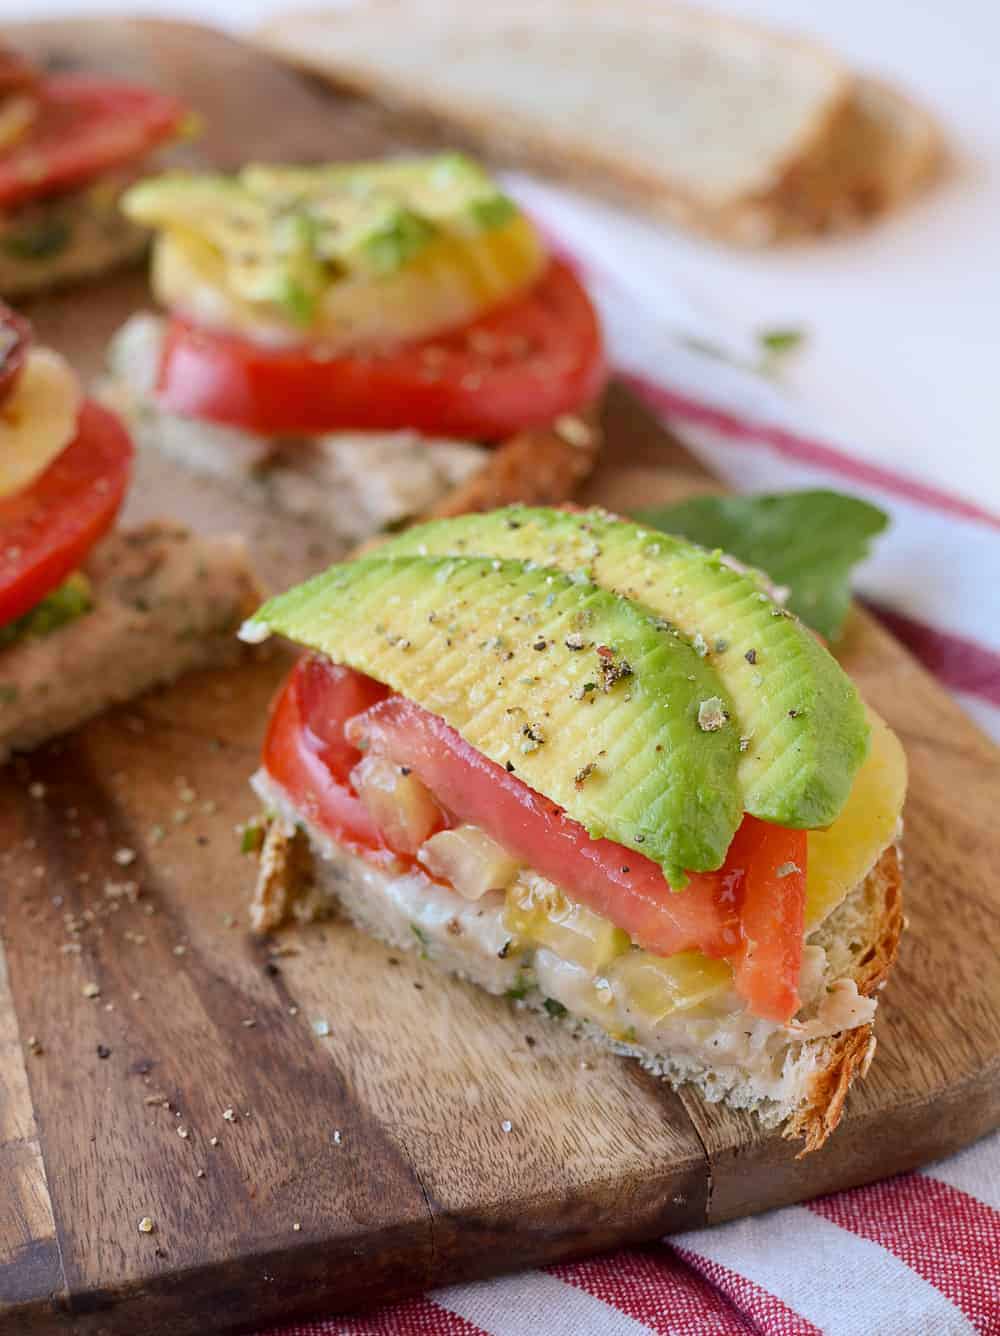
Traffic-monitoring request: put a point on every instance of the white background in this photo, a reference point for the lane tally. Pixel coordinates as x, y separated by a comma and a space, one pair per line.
901, 360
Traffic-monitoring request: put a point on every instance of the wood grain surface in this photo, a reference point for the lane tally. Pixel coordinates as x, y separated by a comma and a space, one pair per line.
136, 1011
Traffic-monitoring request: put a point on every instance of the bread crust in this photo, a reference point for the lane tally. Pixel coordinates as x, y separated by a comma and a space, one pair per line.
848, 1055
539, 466
821, 183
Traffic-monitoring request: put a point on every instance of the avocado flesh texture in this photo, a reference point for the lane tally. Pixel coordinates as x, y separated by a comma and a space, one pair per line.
483, 644
287, 233
804, 724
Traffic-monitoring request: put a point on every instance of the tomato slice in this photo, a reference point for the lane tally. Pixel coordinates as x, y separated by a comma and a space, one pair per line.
750, 912
15, 339
86, 126
521, 365
47, 530
611, 880
769, 863
307, 753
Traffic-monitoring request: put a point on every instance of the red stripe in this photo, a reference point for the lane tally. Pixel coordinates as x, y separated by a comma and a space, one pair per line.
653, 1286
413, 1317
801, 448
940, 1232
765, 1310
963, 665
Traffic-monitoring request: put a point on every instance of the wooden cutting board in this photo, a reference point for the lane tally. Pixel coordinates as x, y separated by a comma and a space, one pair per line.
372, 1162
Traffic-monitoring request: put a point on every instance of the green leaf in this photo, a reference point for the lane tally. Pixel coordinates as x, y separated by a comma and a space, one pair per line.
63, 604
251, 838
778, 341
809, 541
40, 240
554, 1008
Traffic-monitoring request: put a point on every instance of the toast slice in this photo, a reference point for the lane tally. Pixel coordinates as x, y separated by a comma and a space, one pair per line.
795, 1076
164, 601
729, 128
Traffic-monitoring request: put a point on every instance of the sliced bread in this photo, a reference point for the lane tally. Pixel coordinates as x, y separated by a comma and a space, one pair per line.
795, 1076
730, 128
165, 601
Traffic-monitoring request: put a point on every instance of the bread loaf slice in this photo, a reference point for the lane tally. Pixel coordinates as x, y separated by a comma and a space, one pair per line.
795, 1076
726, 127
165, 601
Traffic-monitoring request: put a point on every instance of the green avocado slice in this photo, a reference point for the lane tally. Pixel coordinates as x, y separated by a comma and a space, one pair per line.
582, 693
801, 723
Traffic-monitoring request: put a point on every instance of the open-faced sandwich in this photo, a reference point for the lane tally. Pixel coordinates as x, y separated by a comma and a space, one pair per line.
603, 771
69, 145
90, 615
357, 345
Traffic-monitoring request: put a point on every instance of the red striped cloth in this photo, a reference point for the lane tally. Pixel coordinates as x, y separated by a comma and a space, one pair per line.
917, 1255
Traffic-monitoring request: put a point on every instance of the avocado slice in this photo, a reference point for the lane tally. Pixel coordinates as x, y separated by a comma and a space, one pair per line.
801, 723
284, 234
580, 692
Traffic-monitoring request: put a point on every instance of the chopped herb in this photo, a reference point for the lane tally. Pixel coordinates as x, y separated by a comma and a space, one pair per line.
554, 1008
40, 240
779, 341
251, 838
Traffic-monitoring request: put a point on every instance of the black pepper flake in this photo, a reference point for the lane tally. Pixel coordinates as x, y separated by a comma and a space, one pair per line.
271, 969
103, 1051
584, 773
418, 986
509, 768
794, 714
540, 644
504, 950
751, 656
626, 868
404, 770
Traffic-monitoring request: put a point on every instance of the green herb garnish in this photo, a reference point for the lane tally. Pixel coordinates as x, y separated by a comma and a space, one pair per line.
252, 838
40, 240
807, 541
776, 342
64, 604
554, 1008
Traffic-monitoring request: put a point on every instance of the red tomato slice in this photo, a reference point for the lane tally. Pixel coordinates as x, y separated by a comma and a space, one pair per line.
16, 338
86, 126
47, 529
624, 886
306, 752
770, 863
613, 881
520, 366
